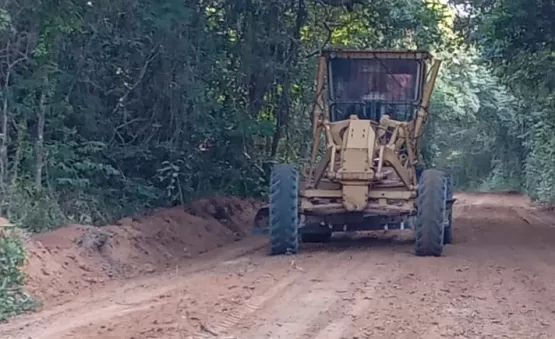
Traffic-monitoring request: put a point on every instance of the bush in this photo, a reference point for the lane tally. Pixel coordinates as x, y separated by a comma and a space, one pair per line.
13, 300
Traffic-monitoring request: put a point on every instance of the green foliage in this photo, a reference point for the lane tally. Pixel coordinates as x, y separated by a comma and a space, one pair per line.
13, 300
516, 38
121, 106
108, 108
471, 131
115, 107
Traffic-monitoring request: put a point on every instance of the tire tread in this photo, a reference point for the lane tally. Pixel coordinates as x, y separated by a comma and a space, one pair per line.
283, 219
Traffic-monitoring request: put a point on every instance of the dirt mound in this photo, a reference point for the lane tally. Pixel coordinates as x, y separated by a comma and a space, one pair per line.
75, 258
495, 199
494, 281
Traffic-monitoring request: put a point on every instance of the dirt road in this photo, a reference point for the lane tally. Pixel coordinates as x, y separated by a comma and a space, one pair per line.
496, 281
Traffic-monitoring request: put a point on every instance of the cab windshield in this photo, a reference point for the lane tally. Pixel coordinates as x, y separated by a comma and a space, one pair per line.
373, 87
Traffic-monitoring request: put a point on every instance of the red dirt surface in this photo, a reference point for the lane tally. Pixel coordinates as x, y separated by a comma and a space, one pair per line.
495, 281
77, 258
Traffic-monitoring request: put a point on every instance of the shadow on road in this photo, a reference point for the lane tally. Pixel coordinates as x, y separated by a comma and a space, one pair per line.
362, 241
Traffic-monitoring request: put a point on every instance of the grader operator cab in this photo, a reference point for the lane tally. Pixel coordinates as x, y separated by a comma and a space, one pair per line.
371, 107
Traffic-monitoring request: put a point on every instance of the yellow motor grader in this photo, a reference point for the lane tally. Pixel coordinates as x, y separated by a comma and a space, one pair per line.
371, 107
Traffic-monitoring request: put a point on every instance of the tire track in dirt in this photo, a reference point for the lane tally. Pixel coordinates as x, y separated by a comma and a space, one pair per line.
244, 311
487, 286
495, 281
343, 319
477, 290
317, 299
285, 291
133, 297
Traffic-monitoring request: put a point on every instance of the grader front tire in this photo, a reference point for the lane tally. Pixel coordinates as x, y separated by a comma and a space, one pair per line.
432, 201
284, 218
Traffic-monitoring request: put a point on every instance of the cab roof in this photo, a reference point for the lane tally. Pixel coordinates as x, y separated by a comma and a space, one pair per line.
333, 53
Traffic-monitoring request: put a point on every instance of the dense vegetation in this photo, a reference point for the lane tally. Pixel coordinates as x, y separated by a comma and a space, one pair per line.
112, 107
13, 300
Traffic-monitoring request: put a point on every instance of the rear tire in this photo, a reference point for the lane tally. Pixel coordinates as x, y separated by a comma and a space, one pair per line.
284, 218
432, 193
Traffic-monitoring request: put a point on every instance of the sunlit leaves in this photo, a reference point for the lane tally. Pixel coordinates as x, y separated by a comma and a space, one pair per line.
517, 39
218, 88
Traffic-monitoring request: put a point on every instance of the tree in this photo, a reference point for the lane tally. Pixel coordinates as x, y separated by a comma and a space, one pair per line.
118, 106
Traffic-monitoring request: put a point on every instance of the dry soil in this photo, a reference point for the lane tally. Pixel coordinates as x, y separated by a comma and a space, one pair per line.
194, 273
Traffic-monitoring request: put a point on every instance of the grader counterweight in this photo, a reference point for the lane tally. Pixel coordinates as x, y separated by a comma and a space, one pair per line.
371, 107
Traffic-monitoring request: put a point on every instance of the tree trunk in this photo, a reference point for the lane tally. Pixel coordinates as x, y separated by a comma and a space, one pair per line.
39, 148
